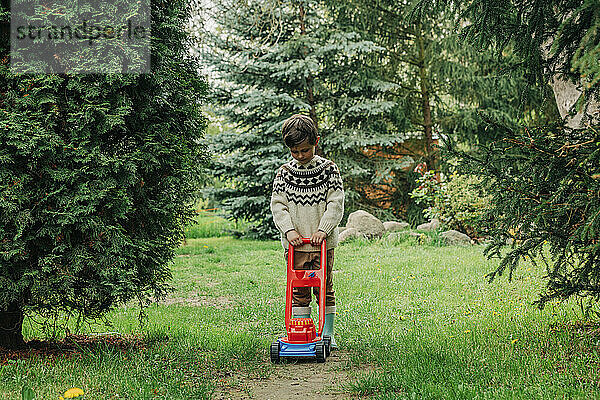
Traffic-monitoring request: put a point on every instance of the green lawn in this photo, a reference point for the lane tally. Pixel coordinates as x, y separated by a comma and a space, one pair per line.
423, 317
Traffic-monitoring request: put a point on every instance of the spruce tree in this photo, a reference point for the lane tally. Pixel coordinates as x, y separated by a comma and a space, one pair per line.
556, 44
97, 176
445, 86
545, 183
274, 60
544, 178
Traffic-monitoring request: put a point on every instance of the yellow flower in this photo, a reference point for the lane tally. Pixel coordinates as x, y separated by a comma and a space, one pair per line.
74, 392
514, 341
61, 398
468, 331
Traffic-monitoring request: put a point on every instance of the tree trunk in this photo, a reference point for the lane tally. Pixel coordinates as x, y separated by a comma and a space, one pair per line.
568, 93
11, 327
310, 97
430, 152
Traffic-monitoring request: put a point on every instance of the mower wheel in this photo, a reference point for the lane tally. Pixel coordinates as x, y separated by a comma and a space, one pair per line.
327, 341
320, 352
275, 352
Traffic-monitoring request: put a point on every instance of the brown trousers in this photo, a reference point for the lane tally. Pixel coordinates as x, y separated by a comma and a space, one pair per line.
310, 260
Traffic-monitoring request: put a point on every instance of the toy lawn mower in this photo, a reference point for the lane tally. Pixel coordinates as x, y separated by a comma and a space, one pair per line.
302, 339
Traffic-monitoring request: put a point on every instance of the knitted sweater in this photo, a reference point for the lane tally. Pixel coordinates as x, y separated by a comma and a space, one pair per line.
308, 198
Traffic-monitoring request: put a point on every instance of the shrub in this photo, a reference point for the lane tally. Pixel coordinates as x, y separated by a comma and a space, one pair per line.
460, 202
97, 179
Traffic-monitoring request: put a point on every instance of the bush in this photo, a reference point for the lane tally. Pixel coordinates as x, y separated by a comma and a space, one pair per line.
460, 202
97, 180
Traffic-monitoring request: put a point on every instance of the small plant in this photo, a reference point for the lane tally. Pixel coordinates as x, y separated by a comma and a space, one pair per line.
72, 393
460, 202
27, 393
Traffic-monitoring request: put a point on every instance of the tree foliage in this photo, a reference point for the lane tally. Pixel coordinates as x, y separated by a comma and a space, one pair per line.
544, 177
551, 39
546, 199
97, 176
274, 60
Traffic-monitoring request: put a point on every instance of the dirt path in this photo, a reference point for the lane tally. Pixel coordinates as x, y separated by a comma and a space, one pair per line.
306, 380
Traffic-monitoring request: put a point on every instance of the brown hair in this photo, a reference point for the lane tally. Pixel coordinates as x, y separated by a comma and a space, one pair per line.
298, 128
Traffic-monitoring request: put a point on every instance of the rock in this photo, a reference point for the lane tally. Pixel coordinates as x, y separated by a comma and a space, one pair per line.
348, 233
393, 226
456, 238
429, 226
367, 224
341, 229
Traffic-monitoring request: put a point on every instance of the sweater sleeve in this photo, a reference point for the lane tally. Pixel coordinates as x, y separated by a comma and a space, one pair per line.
335, 202
279, 206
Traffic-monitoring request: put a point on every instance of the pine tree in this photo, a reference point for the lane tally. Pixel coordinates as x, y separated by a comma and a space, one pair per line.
445, 85
546, 194
556, 44
544, 178
275, 60
97, 176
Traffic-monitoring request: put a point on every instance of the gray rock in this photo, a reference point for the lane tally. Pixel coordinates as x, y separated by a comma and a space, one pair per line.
348, 233
393, 226
367, 224
456, 238
341, 229
429, 226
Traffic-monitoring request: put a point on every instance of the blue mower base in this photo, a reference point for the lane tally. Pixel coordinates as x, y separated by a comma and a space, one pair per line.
318, 348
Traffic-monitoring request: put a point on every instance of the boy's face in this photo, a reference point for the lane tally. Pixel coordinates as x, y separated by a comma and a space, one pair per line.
304, 152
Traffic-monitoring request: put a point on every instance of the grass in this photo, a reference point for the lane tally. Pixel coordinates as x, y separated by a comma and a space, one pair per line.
422, 317
211, 223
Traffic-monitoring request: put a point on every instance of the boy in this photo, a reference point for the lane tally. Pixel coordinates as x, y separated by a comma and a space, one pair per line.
308, 201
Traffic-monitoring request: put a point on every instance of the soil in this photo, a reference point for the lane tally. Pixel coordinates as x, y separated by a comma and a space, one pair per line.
296, 379
72, 346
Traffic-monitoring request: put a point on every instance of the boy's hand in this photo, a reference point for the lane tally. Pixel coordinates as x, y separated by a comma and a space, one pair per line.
317, 238
294, 238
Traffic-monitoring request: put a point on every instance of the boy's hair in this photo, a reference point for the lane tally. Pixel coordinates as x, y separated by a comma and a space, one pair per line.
298, 128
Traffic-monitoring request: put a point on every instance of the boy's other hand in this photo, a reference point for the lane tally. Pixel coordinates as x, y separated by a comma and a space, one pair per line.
294, 238
317, 238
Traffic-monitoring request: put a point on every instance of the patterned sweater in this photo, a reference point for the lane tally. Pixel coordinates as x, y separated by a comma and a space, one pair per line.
308, 198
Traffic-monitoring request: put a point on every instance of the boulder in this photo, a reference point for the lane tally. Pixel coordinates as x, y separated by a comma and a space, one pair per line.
341, 229
456, 238
393, 226
348, 233
367, 224
429, 226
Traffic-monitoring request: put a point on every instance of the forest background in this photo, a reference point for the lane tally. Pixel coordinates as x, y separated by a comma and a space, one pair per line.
382, 87
510, 89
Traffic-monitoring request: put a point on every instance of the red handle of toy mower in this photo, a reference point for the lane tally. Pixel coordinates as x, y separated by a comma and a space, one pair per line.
306, 278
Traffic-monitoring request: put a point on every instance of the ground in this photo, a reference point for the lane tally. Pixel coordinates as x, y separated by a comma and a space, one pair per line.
298, 379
